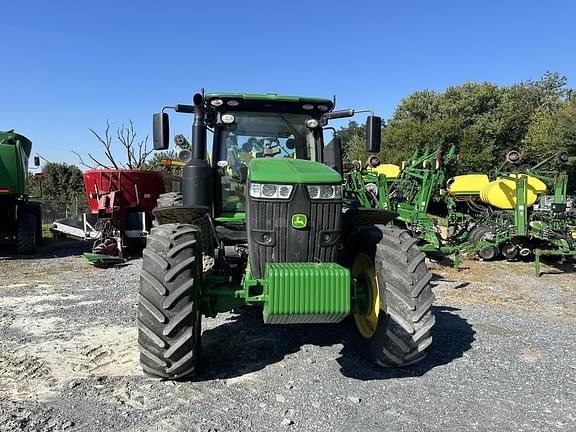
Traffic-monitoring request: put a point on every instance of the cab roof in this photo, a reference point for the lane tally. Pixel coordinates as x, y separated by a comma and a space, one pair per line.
270, 102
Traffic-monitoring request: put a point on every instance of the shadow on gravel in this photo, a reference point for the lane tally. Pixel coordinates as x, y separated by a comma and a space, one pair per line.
452, 337
556, 266
441, 259
245, 344
56, 249
455, 284
48, 249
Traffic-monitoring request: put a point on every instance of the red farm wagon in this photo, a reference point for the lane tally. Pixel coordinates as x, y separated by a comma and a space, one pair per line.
121, 203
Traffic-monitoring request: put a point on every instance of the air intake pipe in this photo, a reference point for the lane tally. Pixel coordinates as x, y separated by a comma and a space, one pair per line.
198, 129
197, 174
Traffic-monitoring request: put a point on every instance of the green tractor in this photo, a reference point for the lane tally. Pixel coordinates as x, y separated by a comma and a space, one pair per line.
263, 222
20, 218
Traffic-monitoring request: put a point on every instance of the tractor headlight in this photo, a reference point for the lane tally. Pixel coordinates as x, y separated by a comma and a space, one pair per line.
228, 119
314, 192
312, 123
325, 192
284, 191
271, 191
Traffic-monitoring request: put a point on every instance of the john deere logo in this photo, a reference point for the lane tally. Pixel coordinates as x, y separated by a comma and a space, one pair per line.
299, 220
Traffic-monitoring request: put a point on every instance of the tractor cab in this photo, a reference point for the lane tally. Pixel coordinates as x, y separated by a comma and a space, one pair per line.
268, 128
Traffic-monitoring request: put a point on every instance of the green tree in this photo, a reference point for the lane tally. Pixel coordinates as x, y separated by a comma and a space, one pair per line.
356, 149
62, 182
349, 135
156, 162
484, 120
33, 185
552, 129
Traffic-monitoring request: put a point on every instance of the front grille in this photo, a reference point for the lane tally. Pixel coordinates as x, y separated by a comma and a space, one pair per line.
272, 219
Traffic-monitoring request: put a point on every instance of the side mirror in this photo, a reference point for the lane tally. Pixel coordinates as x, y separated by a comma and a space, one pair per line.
160, 131
333, 154
36, 161
373, 134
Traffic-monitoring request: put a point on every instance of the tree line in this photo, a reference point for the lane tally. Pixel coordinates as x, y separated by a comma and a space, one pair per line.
484, 121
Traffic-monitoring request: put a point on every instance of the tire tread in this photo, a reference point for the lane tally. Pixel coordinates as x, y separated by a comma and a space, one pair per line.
168, 310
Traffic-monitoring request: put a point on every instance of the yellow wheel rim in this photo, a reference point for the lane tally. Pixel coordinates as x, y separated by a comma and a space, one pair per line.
366, 323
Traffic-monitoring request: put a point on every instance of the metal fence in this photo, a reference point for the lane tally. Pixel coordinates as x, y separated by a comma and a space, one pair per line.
58, 209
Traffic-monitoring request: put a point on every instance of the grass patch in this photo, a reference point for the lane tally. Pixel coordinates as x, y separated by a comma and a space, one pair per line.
46, 233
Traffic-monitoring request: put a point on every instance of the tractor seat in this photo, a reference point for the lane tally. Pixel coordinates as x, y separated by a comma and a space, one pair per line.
232, 231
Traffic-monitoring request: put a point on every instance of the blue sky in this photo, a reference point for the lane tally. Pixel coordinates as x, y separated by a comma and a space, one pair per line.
68, 66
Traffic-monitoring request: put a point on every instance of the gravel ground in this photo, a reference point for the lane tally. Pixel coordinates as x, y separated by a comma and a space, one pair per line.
503, 358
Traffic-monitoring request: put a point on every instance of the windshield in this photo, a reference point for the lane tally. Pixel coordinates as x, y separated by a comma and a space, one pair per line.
260, 135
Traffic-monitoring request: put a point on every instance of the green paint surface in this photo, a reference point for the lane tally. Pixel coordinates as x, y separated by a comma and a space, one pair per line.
306, 293
231, 217
291, 171
14, 153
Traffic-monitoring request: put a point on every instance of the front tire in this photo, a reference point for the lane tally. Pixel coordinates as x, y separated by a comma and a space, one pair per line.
169, 317
395, 327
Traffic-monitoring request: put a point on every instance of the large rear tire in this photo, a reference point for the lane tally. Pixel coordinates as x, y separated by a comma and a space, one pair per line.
26, 229
395, 329
169, 318
36, 209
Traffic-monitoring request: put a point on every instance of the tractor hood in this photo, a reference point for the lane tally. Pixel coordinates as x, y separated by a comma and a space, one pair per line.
291, 171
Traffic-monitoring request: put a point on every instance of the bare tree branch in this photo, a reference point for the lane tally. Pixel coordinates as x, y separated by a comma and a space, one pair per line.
127, 136
143, 151
136, 151
107, 143
98, 164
